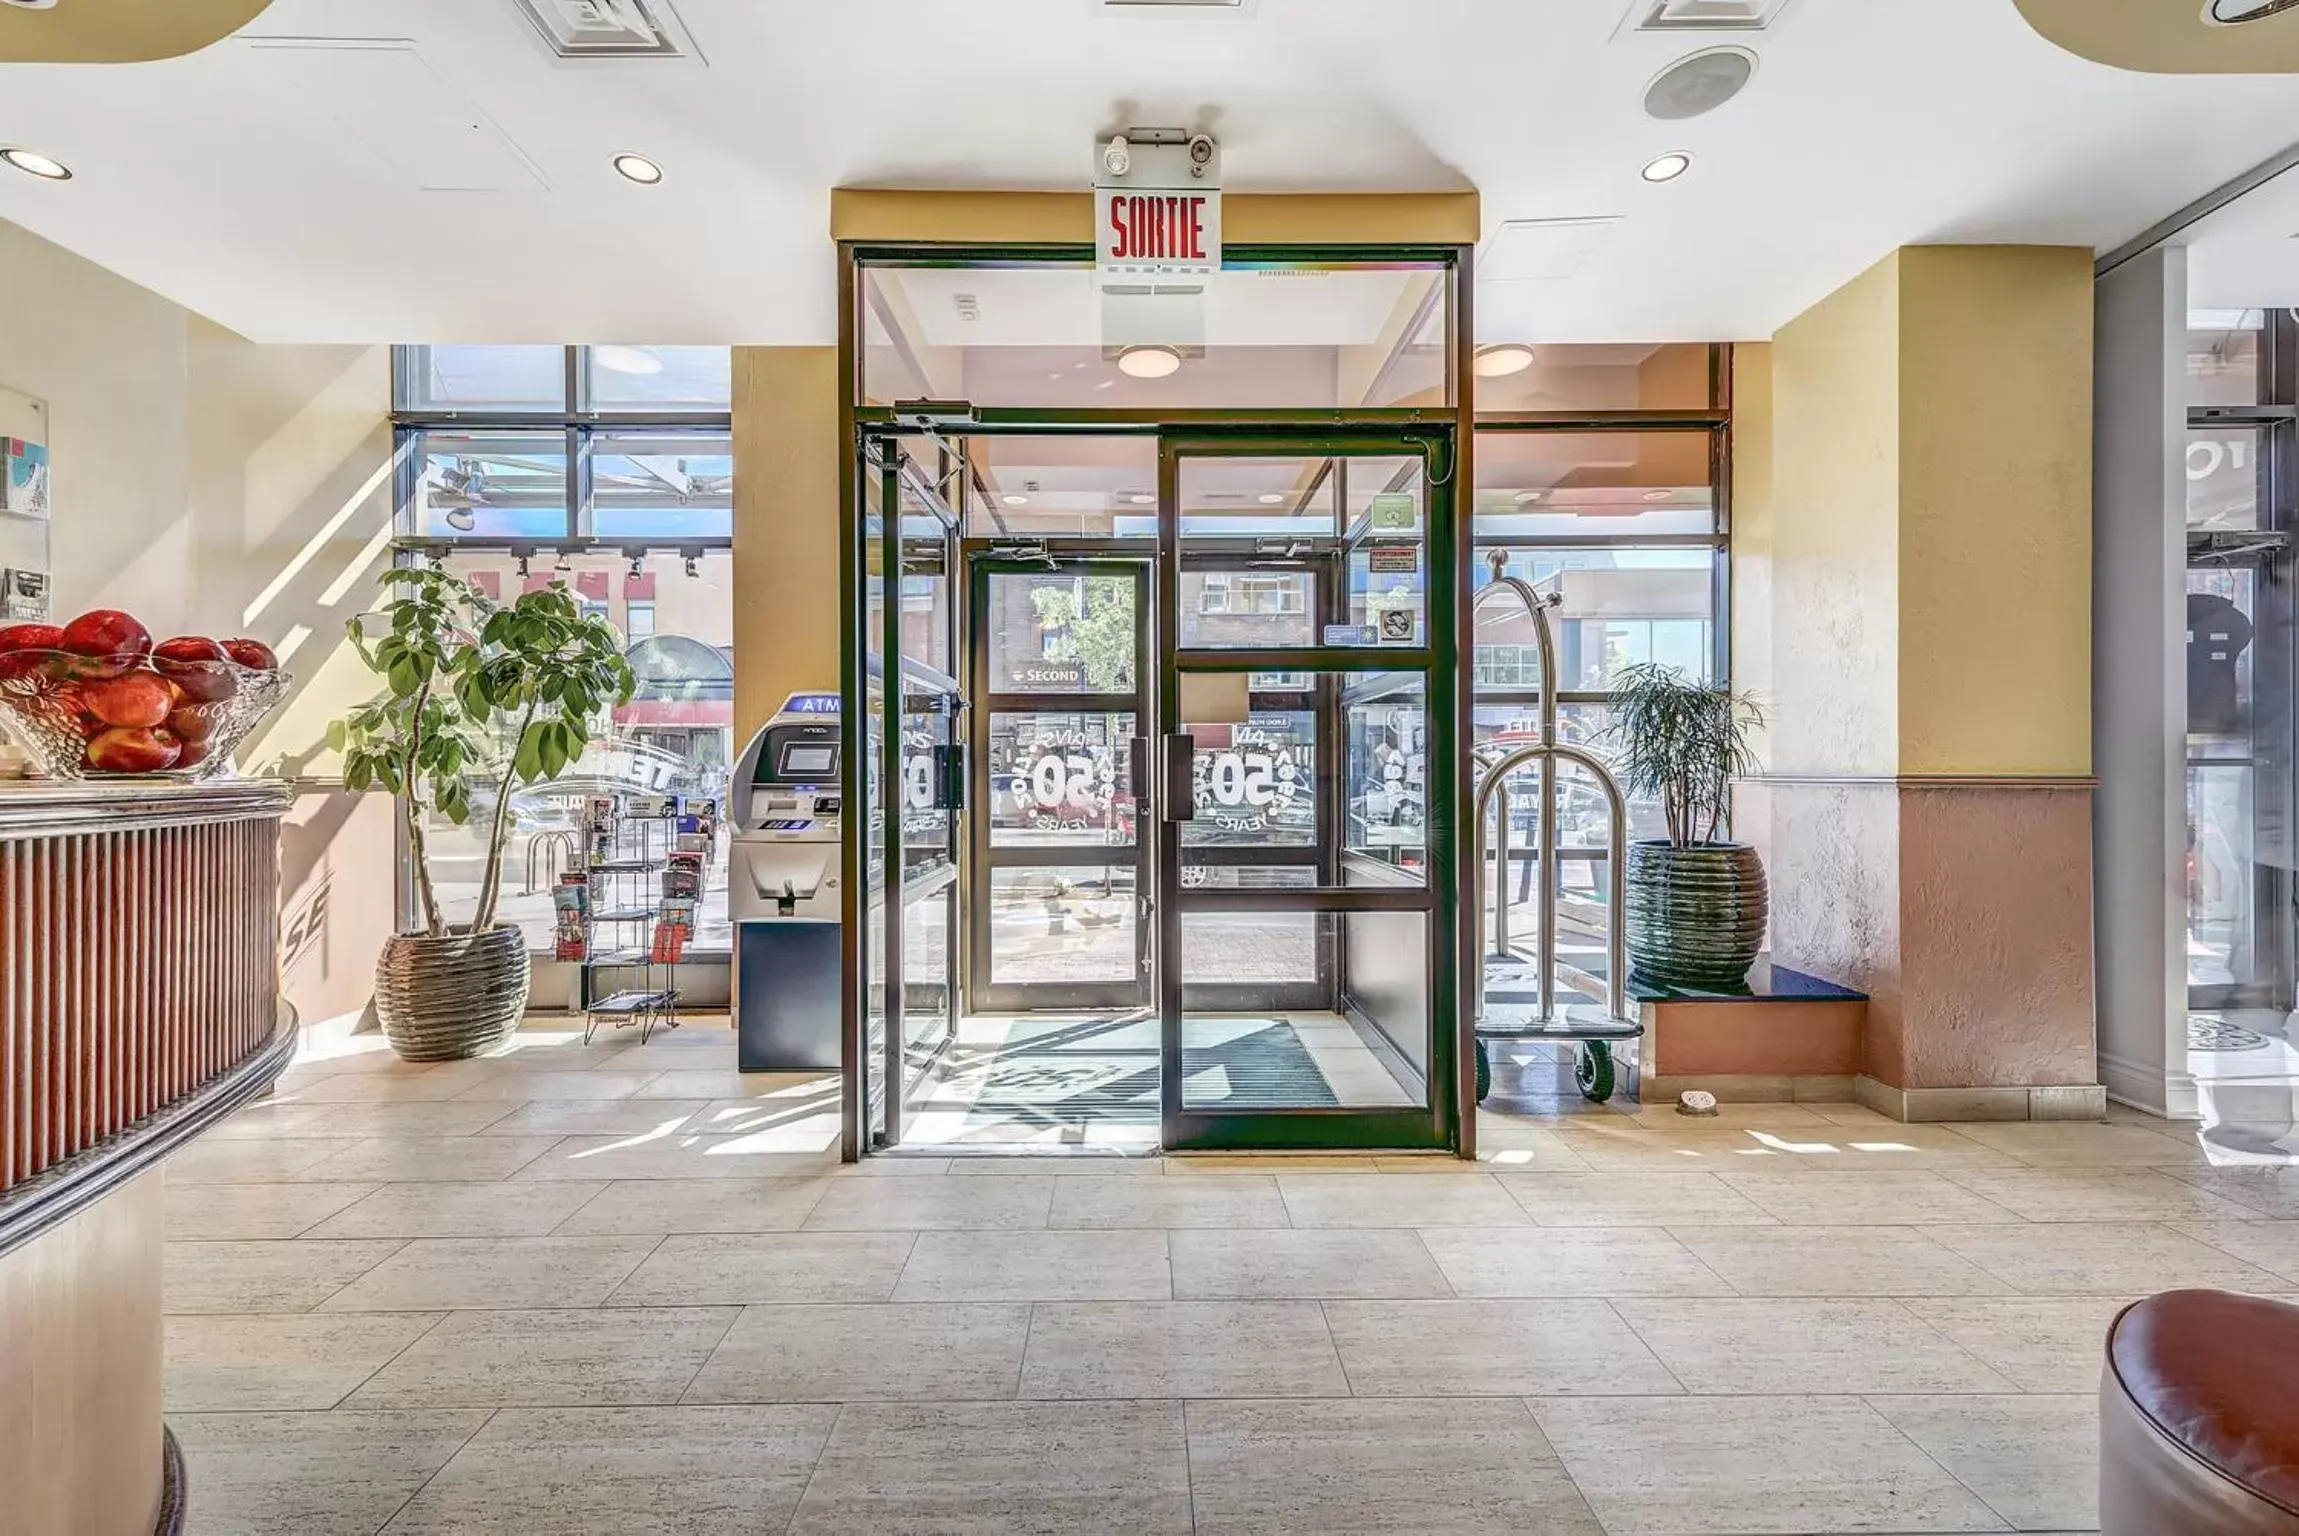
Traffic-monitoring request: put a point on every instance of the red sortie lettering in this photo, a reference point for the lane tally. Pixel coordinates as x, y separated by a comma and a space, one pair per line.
1118, 229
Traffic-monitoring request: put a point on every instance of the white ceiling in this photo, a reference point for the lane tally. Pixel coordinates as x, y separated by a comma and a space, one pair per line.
457, 187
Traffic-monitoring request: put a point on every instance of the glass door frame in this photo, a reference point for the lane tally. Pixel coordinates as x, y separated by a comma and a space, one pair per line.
986, 560
1436, 1122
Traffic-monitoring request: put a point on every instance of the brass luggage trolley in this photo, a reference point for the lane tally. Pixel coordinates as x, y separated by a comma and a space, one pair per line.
1594, 1033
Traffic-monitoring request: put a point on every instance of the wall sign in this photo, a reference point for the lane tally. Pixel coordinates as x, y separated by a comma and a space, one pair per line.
1147, 232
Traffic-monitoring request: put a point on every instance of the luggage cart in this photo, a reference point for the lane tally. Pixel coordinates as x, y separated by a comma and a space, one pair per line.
1592, 1032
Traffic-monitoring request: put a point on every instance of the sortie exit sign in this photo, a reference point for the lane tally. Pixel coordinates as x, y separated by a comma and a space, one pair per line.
1146, 232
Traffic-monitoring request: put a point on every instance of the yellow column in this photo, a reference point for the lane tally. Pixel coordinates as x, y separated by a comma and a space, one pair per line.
786, 580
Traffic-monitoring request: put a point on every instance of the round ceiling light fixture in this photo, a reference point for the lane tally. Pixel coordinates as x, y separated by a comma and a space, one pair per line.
641, 362
1498, 362
32, 163
1659, 495
1272, 498
1142, 499
1015, 499
1526, 498
2234, 13
638, 168
1698, 84
1665, 168
31, 5
1159, 362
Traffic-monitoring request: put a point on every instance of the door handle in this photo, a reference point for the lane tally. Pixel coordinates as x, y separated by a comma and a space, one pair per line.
1177, 786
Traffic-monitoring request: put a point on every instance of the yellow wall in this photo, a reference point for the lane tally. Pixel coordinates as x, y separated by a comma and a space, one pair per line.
1995, 510
1835, 553
786, 582
1912, 519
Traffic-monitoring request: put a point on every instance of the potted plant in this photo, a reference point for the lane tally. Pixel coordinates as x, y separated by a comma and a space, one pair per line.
1697, 903
500, 696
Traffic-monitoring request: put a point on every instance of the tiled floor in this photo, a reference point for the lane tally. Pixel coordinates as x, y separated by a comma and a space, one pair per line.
623, 1289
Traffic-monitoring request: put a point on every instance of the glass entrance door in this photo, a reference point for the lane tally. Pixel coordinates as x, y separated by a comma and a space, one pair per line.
1057, 910
1304, 778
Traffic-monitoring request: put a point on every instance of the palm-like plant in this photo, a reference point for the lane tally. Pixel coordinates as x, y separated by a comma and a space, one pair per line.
1682, 744
502, 692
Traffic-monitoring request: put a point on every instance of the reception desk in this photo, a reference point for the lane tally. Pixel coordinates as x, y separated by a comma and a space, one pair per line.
139, 1004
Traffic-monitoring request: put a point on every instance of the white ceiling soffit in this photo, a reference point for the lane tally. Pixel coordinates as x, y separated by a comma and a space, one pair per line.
2174, 37
215, 179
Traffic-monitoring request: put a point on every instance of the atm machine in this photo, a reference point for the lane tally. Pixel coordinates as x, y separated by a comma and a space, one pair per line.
784, 815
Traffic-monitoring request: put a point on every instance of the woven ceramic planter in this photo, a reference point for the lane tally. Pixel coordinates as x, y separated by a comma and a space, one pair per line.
442, 999
1695, 915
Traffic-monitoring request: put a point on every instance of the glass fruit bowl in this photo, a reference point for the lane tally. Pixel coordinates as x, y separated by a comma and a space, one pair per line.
110, 717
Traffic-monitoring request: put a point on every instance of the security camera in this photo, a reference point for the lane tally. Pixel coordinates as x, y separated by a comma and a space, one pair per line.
1118, 156
1201, 148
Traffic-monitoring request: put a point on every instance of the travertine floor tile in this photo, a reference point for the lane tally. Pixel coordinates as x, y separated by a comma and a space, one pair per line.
1399, 1200
458, 1210
1839, 1261
1329, 1263
1313, 1468
430, 1159
435, 1273
578, 1471
2085, 1144
1750, 1346
522, 1087
1002, 1469
2099, 1194
676, 1155
2064, 1257
601, 1117
1862, 1197
1246, 1201
740, 1269
311, 1474
2270, 1192
1490, 1349
1633, 1200
2034, 1460
1569, 1261
282, 1360
1181, 1349
215, 1212
637, 1207
275, 1276
933, 1204
2038, 1343
1037, 1266
2271, 1245
561, 1357
1802, 1465
211, 1160
844, 1354
450, 1117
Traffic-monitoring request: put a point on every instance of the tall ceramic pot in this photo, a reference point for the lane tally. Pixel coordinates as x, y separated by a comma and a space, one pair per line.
458, 995
1696, 915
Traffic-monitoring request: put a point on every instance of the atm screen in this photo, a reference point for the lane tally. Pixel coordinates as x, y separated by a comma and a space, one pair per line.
809, 760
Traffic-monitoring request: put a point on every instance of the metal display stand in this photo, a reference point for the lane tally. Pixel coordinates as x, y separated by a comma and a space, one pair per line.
1594, 1036
620, 899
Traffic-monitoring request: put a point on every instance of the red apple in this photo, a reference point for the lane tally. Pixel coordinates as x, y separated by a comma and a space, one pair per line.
133, 698
113, 637
198, 667
193, 753
191, 723
134, 749
18, 638
252, 654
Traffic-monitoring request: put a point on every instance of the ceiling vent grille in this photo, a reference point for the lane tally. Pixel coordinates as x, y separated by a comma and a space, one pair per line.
1705, 15
609, 29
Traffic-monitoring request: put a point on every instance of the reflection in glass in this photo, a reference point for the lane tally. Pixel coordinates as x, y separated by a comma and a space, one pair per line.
1255, 606
442, 378
1675, 377
1062, 632
1066, 923
660, 378
2223, 356
1060, 779
1594, 484
1621, 607
1255, 782
662, 484
2223, 477
488, 484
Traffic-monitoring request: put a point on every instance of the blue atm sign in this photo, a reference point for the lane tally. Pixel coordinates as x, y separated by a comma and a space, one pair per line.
811, 704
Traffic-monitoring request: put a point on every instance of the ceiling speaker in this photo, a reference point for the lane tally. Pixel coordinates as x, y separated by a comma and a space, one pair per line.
1699, 83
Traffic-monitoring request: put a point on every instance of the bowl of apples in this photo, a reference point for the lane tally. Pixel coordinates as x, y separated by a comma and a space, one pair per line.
98, 699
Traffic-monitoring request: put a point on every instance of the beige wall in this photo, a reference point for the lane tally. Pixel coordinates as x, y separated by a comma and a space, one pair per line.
787, 458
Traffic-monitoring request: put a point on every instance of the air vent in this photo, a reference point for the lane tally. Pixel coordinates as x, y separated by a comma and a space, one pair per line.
609, 29
1699, 84
1706, 15
2234, 13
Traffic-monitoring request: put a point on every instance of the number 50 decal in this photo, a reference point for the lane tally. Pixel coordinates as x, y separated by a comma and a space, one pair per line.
1249, 778
1056, 780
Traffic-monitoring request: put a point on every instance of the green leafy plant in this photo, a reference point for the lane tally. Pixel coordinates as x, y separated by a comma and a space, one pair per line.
1682, 744
1100, 638
504, 694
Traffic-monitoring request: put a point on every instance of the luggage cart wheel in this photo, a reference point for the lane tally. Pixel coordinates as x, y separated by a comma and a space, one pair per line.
1592, 1069
1484, 1071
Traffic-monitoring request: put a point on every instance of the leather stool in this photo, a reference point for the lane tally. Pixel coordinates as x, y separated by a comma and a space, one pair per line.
2199, 1418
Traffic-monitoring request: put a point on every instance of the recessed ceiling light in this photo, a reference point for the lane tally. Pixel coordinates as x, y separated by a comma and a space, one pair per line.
1526, 498
642, 361
639, 168
1149, 362
33, 163
1667, 167
1015, 499
1142, 499
1273, 498
1501, 361
1659, 495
